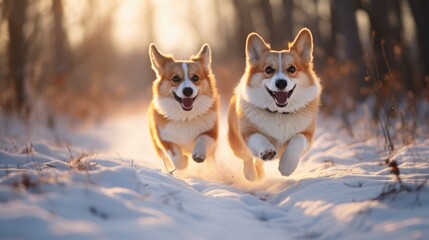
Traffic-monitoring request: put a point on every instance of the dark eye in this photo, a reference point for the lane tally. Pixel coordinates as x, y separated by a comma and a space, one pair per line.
176, 79
195, 78
269, 70
291, 69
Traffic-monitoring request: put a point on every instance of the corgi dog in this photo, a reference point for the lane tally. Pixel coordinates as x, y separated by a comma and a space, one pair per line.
183, 114
274, 108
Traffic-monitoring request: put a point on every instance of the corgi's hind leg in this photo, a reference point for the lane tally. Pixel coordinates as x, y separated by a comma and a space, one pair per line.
168, 164
259, 164
171, 155
249, 169
179, 160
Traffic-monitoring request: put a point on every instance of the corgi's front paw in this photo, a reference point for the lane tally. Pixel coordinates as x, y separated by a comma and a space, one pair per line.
290, 158
267, 154
198, 157
288, 164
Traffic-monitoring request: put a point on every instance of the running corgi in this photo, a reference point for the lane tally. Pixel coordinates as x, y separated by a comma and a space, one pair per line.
273, 111
183, 114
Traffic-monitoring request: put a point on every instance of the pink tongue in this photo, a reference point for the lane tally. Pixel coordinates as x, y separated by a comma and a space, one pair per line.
187, 103
281, 97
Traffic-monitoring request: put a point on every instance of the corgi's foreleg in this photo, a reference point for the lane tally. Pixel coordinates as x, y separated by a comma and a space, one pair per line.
290, 158
204, 144
261, 147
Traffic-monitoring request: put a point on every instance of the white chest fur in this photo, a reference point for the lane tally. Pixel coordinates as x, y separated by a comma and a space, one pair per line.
281, 127
184, 133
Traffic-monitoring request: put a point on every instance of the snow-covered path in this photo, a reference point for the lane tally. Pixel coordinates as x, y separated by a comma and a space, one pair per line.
116, 190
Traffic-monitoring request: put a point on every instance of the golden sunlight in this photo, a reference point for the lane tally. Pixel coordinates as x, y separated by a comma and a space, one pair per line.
173, 25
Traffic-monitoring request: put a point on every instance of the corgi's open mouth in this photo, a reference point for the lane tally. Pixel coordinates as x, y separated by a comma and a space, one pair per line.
281, 98
186, 103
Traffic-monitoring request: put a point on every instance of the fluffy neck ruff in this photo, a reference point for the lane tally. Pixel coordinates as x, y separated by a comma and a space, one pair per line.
172, 110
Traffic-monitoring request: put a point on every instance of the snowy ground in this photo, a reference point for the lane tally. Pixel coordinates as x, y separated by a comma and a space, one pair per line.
105, 182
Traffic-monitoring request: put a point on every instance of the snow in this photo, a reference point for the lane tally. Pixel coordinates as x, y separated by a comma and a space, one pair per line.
104, 181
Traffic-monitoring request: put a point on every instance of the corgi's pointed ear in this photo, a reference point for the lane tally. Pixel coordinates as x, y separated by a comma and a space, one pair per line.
157, 59
255, 46
204, 56
303, 45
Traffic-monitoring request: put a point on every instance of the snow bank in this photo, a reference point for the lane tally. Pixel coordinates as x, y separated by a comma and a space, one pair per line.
106, 183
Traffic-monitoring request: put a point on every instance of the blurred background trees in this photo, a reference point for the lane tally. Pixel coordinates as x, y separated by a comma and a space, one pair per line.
17, 49
87, 58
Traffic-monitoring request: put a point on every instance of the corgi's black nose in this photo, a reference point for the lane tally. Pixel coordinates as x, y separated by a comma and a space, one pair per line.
187, 91
281, 84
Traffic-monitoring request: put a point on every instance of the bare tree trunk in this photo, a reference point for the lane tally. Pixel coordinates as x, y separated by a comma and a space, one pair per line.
346, 30
386, 35
61, 47
17, 49
312, 22
245, 22
400, 62
286, 24
420, 10
267, 13
392, 75
347, 45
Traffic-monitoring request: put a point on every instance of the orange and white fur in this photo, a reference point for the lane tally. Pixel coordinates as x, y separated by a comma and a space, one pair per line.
183, 114
274, 109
